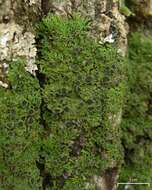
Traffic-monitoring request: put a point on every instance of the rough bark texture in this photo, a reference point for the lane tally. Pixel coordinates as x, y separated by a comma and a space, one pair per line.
16, 34
107, 22
17, 39
108, 25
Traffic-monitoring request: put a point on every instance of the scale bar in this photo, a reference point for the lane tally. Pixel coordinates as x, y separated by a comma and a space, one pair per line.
133, 184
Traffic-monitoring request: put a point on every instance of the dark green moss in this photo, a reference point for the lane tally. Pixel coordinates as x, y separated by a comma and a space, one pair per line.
83, 92
78, 105
19, 128
137, 122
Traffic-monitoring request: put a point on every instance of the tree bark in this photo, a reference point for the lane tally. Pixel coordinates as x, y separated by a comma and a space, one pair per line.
17, 39
108, 25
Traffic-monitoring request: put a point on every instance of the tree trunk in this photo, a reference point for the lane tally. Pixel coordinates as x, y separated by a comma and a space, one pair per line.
17, 37
108, 25
17, 40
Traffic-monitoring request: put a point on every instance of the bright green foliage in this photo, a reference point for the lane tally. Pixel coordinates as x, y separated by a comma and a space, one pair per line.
137, 122
83, 94
19, 127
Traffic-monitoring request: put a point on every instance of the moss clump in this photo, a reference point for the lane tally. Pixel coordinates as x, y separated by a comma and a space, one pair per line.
19, 127
82, 92
82, 89
137, 122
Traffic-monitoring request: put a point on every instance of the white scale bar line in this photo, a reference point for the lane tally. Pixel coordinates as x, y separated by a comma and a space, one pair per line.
134, 184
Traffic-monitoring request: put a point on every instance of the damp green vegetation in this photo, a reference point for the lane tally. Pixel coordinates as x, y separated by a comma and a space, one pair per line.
137, 115
82, 92
19, 129
59, 129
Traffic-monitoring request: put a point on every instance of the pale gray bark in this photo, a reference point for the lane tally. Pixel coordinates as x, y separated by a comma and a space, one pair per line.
16, 34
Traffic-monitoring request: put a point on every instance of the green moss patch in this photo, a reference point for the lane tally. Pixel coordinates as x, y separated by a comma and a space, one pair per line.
82, 91
137, 122
62, 126
19, 128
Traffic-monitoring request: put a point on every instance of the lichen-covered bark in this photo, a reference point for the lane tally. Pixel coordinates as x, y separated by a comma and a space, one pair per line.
107, 26
17, 157
23, 12
17, 39
16, 34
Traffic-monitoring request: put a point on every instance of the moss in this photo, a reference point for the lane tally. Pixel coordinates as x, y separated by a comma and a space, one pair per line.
137, 122
78, 104
82, 88
19, 126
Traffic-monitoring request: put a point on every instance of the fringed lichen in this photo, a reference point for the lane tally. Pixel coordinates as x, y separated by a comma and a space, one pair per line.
19, 128
82, 90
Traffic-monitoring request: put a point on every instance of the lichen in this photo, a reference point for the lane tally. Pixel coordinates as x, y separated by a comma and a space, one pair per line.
82, 87
62, 124
19, 130
20, 11
104, 16
15, 43
16, 33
